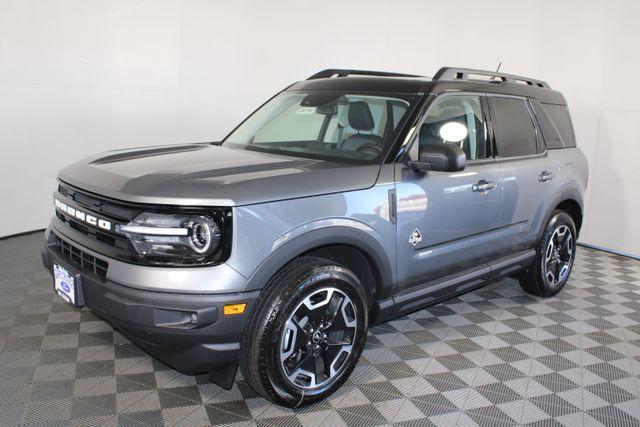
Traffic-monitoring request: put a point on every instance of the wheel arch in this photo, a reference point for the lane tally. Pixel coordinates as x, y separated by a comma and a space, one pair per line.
568, 200
355, 249
573, 208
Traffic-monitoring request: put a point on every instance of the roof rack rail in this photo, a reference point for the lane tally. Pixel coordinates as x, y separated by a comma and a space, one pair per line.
452, 73
337, 72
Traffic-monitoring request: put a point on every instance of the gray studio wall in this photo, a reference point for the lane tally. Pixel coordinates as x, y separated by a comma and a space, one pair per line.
83, 76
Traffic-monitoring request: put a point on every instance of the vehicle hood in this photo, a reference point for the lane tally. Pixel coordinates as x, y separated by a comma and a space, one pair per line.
211, 175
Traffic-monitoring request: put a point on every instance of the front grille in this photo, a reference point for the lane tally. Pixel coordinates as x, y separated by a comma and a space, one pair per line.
106, 241
80, 258
98, 204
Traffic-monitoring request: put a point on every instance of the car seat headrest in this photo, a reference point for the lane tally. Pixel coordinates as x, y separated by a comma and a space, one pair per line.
360, 117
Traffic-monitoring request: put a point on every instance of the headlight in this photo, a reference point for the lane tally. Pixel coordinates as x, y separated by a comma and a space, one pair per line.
173, 238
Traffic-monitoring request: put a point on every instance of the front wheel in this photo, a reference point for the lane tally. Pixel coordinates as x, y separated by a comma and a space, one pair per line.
554, 257
306, 332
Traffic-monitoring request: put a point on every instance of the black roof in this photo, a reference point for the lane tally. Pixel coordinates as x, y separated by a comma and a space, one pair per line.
447, 79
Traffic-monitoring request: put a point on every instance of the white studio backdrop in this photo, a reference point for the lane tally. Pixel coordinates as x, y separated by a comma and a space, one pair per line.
84, 76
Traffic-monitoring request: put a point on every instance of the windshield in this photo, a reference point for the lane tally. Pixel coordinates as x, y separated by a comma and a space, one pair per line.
332, 125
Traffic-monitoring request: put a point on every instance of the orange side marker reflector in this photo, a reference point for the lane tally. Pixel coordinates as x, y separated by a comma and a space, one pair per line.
234, 308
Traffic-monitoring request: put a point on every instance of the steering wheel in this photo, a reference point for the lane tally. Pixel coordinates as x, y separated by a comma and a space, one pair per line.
369, 148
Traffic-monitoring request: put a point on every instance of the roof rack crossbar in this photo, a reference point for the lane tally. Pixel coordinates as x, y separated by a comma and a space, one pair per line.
452, 73
337, 72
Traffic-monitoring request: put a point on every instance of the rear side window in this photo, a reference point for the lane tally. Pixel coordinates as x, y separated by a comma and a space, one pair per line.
560, 117
513, 127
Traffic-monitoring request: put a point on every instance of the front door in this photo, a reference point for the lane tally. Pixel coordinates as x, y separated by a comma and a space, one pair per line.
446, 221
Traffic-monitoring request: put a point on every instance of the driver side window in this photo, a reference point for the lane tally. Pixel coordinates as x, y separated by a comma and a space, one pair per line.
458, 120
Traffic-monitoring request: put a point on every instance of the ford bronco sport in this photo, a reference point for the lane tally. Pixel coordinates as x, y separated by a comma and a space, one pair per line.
345, 200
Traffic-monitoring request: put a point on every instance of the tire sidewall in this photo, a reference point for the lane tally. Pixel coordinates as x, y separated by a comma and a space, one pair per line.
558, 219
324, 276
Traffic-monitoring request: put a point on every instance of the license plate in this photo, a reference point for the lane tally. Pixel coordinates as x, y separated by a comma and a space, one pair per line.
65, 284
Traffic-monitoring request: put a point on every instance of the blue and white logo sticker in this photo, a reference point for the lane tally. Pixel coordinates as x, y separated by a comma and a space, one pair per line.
416, 237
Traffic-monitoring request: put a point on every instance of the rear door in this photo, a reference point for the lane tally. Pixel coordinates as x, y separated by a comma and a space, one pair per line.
528, 172
446, 220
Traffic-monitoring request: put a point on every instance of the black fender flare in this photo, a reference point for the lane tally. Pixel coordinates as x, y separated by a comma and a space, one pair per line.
333, 235
568, 192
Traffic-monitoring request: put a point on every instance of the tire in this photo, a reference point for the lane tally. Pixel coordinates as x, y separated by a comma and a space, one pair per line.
551, 269
289, 325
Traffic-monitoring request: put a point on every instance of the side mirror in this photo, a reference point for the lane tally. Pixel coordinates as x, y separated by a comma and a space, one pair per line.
440, 158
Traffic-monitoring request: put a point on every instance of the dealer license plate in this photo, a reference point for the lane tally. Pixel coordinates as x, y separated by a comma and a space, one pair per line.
64, 283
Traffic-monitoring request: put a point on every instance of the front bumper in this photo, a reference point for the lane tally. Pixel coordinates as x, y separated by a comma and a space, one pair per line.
161, 322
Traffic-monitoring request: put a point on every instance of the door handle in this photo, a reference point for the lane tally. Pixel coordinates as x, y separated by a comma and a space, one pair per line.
545, 176
483, 186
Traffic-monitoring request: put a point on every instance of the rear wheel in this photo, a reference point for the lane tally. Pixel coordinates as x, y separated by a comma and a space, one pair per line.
306, 332
554, 258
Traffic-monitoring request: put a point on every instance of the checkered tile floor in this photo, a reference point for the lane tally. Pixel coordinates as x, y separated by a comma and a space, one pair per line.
496, 356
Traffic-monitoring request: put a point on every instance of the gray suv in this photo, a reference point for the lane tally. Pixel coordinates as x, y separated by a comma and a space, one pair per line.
345, 200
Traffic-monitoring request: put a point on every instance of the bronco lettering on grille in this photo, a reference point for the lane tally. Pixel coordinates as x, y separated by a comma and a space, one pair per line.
83, 216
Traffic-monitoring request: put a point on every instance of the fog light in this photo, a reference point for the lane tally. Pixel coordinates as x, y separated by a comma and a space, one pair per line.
234, 308
194, 318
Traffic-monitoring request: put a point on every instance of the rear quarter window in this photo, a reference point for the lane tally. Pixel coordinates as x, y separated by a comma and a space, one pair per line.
551, 135
556, 125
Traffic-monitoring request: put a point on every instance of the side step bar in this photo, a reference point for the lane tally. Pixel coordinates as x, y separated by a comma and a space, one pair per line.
439, 290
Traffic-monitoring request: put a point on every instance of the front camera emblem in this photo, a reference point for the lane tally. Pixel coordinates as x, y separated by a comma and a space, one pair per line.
415, 237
